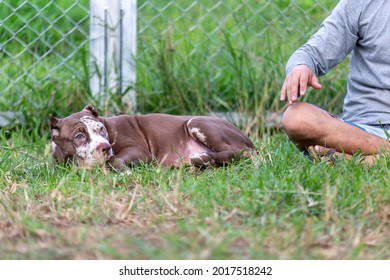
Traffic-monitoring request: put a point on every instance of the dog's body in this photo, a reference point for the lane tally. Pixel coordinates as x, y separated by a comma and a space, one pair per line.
88, 139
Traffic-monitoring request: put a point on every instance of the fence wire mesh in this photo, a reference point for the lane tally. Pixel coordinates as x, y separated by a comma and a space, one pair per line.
44, 42
222, 48
40, 43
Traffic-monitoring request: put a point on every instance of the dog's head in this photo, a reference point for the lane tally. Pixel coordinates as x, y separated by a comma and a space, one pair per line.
80, 138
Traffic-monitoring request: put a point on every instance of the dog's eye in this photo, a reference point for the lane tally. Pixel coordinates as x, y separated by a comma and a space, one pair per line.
102, 131
79, 136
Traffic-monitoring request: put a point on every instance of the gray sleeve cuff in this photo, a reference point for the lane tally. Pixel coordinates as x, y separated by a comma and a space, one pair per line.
300, 58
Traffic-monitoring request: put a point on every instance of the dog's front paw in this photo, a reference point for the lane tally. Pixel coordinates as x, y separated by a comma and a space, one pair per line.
202, 159
126, 172
117, 164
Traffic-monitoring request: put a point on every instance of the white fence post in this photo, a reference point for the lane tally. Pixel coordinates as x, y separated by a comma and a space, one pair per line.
113, 40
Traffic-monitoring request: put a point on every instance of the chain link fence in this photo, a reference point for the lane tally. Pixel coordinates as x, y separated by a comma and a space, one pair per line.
40, 44
223, 48
182, 45
195, 23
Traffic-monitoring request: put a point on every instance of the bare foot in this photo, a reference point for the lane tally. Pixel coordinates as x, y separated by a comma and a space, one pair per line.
319, 153
331, 156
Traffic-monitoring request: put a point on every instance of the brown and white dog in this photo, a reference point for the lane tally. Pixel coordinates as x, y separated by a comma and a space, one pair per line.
88, 140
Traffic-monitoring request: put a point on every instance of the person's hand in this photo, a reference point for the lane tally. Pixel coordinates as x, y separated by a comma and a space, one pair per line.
298, 80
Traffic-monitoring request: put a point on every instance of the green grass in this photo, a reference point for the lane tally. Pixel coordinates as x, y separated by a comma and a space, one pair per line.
276, 205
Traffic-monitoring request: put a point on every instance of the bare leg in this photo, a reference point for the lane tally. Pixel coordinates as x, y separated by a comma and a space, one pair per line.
307, 125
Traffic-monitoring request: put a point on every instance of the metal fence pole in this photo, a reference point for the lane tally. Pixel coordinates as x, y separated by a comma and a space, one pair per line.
112, 49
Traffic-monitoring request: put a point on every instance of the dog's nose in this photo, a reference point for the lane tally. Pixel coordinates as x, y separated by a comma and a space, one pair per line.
104, 148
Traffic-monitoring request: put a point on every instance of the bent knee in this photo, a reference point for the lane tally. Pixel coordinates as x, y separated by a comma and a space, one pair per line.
299, 120
294, 117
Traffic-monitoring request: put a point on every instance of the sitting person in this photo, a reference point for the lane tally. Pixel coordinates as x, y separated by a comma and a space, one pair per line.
362, 27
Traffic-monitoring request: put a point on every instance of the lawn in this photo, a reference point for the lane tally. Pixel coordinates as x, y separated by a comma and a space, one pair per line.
275, 205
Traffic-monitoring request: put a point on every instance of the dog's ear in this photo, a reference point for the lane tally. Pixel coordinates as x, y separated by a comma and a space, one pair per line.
54, 126
91, 109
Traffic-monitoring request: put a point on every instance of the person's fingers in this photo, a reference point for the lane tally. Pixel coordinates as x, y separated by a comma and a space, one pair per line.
303, 84
283, 92
296, 83
294, 86
315, 83
288, 88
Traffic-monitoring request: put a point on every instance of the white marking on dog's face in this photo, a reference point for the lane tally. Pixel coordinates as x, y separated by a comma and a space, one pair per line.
90, 151
199, 135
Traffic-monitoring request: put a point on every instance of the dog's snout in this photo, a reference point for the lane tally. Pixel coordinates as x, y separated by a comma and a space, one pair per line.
104, 148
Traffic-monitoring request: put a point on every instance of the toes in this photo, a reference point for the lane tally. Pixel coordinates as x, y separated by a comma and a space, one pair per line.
320, 149
320, 153
202, 159
313, 154
331, 156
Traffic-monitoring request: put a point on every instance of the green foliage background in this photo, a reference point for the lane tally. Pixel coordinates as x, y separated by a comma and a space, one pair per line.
191, 59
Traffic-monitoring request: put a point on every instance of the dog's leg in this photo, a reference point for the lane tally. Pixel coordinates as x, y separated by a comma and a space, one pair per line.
225, 141
128, 157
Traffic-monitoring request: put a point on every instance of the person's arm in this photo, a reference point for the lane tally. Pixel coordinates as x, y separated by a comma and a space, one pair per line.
334, 40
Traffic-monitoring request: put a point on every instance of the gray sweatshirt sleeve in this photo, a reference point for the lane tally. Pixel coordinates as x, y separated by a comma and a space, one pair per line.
334, 40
